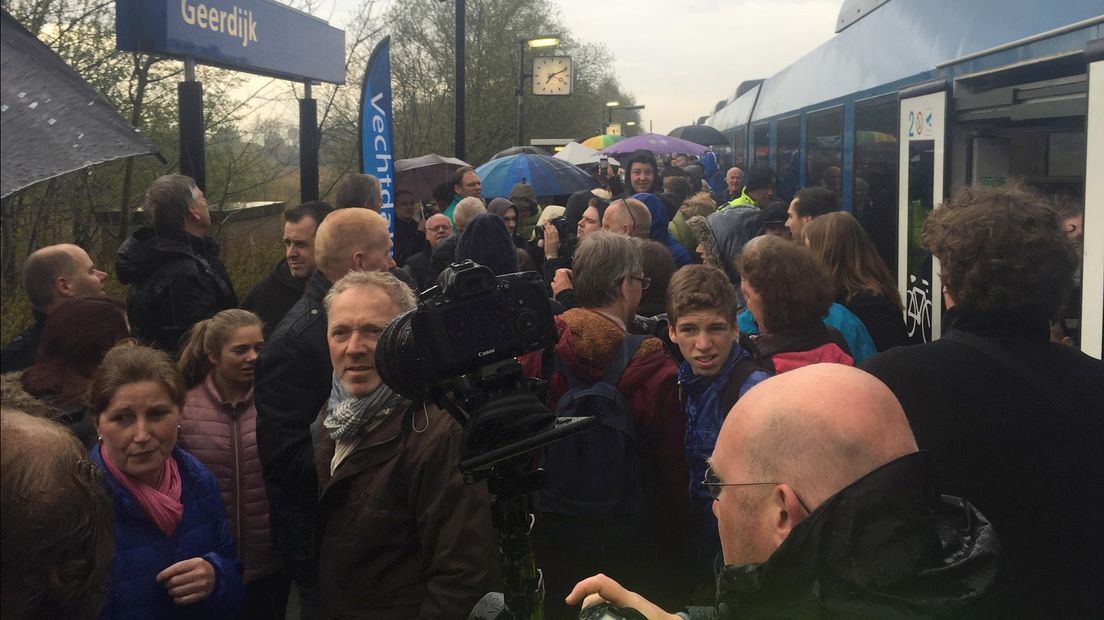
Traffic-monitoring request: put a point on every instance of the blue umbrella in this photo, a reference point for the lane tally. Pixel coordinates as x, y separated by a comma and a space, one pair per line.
548, 176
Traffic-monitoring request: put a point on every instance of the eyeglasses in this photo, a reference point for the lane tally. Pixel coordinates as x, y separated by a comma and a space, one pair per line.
441, 228
645, 281
713, 484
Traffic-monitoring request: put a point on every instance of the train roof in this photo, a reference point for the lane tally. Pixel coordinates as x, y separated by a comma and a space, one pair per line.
903, 41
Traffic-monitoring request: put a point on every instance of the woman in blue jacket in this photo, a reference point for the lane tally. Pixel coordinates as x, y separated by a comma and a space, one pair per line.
174, 556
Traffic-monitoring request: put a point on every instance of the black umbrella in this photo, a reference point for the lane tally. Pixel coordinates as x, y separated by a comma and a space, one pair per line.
699, 134
51, 120
518, 150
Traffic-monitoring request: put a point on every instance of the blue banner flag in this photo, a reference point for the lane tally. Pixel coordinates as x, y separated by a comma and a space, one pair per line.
375, 127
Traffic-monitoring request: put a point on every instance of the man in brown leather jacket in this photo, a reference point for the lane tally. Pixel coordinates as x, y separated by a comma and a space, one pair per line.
399, 533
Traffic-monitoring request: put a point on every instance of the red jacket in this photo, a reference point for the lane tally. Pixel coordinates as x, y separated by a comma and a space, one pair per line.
223, 436
650, 385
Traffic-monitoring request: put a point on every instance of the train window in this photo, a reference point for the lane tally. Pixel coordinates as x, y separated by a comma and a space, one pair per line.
823, 141
760, 138
788, 160
874, 192
740, 154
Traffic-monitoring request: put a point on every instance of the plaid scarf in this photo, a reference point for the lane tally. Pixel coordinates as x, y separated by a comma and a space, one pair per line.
351, 416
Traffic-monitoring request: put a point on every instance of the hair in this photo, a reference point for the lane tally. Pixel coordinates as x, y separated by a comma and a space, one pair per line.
358, 190
458, 178
644, 157
1067, 206
342, 233
792, 283
816, 201
466, 210
1002, 251
657, 264
75, 339
853, 264
129, 362
524, 260
167, 200
316, 209
42, 269
699, 288
602, 262
206, 338
674, 171
759, 178
443, 192
57, 524
678, 191
399, 293
700, 203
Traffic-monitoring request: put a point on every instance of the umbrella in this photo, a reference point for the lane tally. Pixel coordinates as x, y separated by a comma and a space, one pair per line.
575, 153
53, 121
601, 141
699, 134
548, 176
517, 150
660, 145
421, 174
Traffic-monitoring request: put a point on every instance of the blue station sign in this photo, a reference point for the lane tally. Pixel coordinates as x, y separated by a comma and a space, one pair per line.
256, 36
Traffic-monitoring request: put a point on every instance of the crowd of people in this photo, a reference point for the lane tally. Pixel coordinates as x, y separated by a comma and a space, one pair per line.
770, 441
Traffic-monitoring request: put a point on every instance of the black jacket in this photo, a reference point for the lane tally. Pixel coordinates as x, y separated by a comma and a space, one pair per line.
882, 318
19, 354
443, 256
408, 240
418, 268
887, 546
1031, 464
174, 282
293, 381
273, 296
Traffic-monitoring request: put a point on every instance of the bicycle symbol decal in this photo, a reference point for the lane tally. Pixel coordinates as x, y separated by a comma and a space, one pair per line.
918, 309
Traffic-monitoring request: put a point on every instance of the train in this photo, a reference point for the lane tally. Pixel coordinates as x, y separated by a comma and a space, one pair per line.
910, 99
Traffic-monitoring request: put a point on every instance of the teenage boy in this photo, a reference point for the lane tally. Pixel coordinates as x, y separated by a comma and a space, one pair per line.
701, 310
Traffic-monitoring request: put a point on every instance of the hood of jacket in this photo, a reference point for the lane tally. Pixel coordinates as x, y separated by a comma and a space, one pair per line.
588, 339
733, 228
145, 251
888, 545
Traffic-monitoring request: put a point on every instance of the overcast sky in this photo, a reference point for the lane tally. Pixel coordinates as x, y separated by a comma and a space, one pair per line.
679, 57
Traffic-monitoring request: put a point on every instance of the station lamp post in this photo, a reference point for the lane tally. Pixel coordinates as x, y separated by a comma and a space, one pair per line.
616, 105
530, 42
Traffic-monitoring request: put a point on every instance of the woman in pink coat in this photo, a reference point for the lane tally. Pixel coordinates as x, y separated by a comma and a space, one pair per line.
219, 427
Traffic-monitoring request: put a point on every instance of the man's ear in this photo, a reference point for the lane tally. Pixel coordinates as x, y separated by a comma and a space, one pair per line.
358, 261
671, 332
786, 512
62, 286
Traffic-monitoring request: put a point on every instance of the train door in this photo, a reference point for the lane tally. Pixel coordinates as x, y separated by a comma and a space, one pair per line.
1092, 298
922, 139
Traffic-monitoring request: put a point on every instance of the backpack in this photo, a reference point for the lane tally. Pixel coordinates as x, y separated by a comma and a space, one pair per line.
599, 471
736, 380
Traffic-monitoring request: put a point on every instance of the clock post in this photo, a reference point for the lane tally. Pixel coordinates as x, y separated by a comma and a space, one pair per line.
541, 41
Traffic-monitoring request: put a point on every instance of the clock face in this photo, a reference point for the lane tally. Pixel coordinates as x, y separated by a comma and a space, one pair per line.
552, 75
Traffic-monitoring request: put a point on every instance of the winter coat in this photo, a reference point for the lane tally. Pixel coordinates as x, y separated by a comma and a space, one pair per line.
408, 240
732, 228
789, 351
882, 318
223, 436
587, 341
859, 344
681, 233
743, 200
174, 281
443, 255
399, 533
142, 550
418, 269
658, 231
1025, 446
887, 546
19, 354
273, 296
73, 416
292, 381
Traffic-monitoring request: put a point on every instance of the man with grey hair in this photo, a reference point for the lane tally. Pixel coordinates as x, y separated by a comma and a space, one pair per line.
361, 191
825, 508
609, 280
52, 276
628, 216
466, 210
400, 534
293, 380
172, 267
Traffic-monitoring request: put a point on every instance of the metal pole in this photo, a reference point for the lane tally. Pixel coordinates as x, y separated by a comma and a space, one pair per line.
190, 100
521, 93
458, 140
308, 146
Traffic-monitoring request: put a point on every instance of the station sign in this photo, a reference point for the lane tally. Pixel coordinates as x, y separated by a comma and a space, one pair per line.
255, 36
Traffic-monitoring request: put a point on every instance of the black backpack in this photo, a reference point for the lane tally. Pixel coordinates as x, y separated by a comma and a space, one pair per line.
599, 471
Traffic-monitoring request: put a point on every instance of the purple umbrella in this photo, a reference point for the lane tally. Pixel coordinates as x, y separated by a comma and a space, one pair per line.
660, 145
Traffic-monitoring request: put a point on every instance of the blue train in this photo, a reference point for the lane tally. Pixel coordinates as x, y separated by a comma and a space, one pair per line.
912, 98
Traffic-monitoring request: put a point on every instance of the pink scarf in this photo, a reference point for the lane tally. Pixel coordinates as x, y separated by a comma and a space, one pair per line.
161, 503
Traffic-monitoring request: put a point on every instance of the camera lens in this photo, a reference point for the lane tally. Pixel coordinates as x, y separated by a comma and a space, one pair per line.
397, 358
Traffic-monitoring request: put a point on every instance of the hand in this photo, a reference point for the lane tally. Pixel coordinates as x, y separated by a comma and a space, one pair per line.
551, 240
602, 589
562, 281
190, 581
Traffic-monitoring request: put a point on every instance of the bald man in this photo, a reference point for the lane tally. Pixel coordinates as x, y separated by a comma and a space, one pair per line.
628, 216
825, 508
52, 275
293, 380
